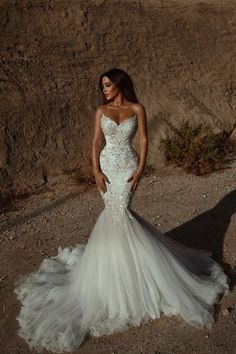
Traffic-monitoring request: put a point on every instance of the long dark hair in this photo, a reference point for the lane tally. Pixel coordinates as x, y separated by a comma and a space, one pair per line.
123, 81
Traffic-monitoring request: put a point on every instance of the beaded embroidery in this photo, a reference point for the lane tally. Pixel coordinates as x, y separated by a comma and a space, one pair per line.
118, 160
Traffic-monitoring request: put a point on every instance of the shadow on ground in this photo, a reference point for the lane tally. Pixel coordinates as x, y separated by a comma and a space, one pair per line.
207, 231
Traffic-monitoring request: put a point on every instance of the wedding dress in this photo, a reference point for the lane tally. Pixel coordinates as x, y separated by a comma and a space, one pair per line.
127, 273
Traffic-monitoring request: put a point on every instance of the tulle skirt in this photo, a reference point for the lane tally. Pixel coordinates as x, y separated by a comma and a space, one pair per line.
127, 273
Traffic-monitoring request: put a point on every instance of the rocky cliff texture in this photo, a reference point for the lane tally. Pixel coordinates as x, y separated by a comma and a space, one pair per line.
180, 54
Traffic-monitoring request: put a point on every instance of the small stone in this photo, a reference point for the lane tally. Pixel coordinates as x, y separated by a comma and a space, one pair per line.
225, 312
192, 212
230, 308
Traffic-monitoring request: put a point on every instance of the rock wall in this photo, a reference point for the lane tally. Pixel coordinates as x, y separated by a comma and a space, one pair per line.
180, 54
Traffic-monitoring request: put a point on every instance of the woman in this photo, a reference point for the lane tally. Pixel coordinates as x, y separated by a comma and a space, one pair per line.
128, 272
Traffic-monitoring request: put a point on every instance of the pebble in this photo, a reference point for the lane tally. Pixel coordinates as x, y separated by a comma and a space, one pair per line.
225, 312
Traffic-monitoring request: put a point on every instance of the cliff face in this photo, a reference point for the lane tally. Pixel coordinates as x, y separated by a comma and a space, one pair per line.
180, 54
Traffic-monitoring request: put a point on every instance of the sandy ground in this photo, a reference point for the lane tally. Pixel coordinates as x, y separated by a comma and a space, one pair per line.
194, 210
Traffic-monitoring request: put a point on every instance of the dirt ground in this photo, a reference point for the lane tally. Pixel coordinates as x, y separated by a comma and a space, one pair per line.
198, 211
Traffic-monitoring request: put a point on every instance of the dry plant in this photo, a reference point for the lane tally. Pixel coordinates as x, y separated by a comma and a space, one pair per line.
82, 174
196, 148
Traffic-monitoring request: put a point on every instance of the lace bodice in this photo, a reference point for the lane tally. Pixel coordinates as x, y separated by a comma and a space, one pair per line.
119, 133
118, 160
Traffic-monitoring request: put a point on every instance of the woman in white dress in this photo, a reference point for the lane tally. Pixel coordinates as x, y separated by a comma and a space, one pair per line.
128, 272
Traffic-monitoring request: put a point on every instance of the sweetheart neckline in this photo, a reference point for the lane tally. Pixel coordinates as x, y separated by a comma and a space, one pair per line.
103, 115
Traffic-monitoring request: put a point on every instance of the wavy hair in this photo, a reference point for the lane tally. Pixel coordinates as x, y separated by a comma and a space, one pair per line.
123, 81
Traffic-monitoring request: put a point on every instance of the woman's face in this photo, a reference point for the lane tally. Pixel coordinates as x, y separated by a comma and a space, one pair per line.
109, 89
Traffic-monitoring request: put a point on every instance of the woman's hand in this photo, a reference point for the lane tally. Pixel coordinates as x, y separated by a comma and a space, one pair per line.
100, 179
135, 178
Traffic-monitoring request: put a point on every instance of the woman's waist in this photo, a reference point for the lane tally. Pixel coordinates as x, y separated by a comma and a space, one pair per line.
116, 150
119, 157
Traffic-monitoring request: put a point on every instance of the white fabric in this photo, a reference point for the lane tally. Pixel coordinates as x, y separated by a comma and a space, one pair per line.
127, 273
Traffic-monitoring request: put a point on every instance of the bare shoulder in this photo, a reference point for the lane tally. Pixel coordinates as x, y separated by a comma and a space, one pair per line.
138, 108
99, 112
99, 109
98, 115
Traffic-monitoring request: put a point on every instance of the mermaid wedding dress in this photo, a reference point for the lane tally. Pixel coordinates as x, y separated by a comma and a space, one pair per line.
127, 273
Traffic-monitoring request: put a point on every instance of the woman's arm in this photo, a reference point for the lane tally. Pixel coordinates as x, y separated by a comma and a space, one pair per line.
97, 140
143, 137
143, 143
100, 178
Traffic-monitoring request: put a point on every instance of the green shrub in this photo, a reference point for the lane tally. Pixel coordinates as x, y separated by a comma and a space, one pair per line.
196, 148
